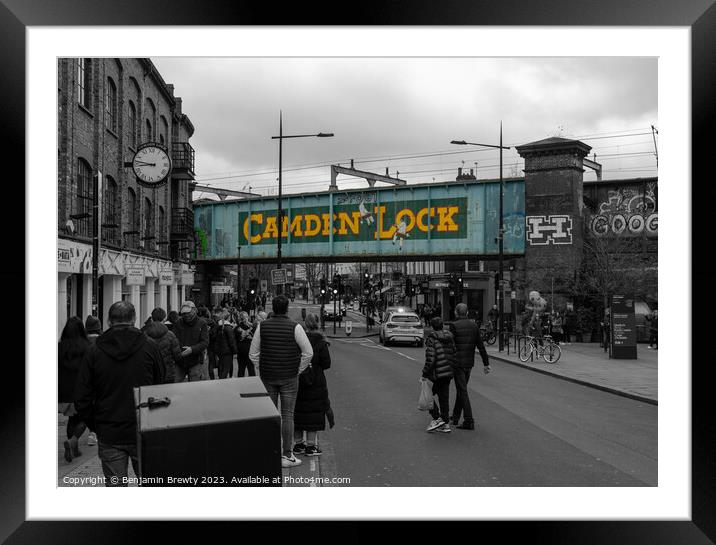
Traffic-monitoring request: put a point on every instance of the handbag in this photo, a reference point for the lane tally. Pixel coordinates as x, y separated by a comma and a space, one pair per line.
425, 399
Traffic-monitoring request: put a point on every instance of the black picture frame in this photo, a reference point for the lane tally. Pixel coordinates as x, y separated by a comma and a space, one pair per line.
16, 15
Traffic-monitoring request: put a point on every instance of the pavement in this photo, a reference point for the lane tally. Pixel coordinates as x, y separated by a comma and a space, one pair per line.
589, 365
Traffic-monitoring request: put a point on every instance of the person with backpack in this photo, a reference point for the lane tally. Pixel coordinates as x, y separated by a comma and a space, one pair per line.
440, 353
223, 345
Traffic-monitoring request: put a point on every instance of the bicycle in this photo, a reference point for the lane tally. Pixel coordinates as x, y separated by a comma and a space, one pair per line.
549, 351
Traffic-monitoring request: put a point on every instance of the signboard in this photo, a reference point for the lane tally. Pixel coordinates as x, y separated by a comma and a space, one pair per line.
300, 272
221, 289
623, 328
166, 277
134, 275
279, 276
450, 219
420, 299
264, 285
438, 284
187, 278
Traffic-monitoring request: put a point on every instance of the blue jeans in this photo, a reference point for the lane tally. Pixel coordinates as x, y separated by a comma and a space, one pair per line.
115, 462
286, 389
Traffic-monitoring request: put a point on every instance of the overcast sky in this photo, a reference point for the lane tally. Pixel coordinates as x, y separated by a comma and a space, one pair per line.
382, 109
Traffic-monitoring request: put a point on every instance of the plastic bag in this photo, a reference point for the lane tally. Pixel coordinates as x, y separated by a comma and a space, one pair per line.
425, 399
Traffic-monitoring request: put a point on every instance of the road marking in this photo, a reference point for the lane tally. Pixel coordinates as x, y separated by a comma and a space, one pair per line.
406, 356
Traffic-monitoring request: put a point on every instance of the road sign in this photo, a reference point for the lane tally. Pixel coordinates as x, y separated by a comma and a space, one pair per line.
221, 289
623, 326
279, 276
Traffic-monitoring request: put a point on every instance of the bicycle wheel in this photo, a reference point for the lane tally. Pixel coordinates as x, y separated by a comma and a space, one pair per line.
525, 351
552, 353
491, 338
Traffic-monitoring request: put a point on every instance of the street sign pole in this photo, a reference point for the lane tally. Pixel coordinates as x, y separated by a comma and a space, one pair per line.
335, 317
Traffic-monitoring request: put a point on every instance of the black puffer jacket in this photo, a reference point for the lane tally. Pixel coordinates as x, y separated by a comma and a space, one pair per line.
439, 355
312, 400
221, 339
168, 347
467, 338
194, 334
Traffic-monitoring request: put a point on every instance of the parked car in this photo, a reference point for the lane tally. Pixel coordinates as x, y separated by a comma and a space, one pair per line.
332, 316
401, 325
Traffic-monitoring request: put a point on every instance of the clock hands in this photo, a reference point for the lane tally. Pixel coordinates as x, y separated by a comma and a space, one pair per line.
145, 164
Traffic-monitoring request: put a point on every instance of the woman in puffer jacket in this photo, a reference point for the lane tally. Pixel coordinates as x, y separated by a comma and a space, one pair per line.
439, 360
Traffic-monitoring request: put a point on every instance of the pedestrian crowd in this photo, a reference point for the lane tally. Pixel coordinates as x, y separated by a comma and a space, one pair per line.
98, 371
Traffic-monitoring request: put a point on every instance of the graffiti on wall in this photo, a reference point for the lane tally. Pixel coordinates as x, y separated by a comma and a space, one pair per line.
629, 210
543, 230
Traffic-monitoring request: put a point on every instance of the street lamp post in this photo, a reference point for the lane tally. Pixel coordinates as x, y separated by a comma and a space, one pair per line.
500, 237
280, 138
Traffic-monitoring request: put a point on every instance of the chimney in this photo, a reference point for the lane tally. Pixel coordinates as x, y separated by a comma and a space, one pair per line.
472, 173
459, 172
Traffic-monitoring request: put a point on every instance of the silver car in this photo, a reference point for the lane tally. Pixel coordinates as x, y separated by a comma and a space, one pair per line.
401, 325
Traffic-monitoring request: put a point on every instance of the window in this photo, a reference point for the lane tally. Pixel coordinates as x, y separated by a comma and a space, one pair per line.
111, 105
163, 130
110, 217
162, 233
148, 230
148, 136
132, 232
84, 81
83, 201
132, 125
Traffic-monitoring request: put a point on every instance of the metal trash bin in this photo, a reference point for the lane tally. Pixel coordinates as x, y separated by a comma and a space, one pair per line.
213, 433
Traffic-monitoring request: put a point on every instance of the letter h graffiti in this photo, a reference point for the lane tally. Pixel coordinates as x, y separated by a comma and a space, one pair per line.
542, 230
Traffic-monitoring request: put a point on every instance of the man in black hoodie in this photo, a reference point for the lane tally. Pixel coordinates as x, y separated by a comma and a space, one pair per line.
121, 359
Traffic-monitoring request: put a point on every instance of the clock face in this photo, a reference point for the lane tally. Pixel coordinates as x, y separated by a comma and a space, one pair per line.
151, 164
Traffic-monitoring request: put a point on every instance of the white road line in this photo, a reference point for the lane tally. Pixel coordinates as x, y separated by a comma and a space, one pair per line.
406, 356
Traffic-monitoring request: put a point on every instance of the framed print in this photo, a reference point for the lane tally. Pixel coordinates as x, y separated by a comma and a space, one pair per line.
558, 455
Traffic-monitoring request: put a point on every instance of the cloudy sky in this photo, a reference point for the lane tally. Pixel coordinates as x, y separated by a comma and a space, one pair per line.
402, 113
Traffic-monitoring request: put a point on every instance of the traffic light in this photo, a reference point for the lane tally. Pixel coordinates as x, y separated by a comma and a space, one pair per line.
253, 285
366, 280
408, 286
497, 280
323, 284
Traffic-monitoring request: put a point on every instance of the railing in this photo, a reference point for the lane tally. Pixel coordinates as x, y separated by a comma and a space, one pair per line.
182, 223
183, 157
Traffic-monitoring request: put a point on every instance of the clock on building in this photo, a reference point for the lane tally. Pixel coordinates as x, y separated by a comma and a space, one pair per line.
152, 164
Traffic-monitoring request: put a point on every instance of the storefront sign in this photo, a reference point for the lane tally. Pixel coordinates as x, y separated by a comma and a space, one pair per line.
166, 277
623, 328
135, 275
438, 284
187, 278
221, 289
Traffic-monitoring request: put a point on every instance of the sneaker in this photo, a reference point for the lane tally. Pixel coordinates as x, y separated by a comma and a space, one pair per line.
445, 429
91, 439
313, 450
291, 461
299, 448
435, 424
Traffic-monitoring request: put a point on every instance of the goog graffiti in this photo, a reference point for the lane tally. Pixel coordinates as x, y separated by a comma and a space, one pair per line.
629, 210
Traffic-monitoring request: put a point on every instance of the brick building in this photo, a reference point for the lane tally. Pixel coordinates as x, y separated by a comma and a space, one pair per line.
106, 109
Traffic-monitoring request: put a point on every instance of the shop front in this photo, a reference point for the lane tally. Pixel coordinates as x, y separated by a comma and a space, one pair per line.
146, 282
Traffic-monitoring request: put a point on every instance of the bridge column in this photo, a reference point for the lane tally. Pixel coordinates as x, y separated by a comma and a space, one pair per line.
554, 175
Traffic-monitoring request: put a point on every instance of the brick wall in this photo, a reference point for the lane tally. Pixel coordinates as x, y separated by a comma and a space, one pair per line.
84, 133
